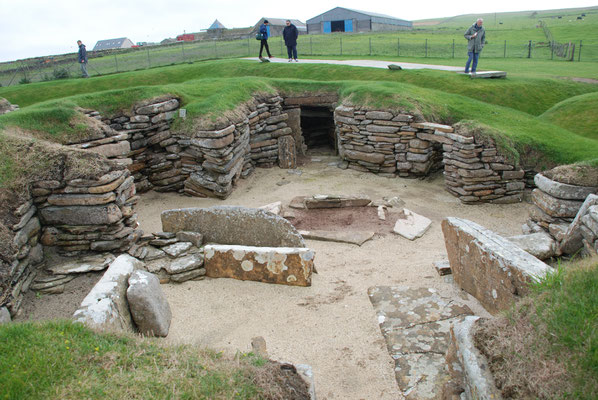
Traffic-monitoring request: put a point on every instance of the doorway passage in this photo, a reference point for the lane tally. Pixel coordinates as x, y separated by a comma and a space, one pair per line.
317, 125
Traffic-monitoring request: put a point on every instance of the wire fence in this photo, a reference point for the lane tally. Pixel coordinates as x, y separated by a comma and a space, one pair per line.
113, 61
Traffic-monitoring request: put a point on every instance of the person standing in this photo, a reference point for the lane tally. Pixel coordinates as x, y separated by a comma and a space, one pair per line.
290, 34
264, 41
476, 37
83, 59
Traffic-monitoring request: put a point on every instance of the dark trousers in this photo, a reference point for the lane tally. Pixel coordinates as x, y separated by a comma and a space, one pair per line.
264, 43
292, 51
473, 56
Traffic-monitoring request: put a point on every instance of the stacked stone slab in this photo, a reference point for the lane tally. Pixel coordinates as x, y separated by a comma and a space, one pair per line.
144, 142
582, 233
172, 257
390, 143
27, 258
81, 215
271, 139
556, 203
6, 107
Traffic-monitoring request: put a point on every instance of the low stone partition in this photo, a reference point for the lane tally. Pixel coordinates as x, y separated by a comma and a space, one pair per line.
582, 233
389, 143
468, 367
280, 265
234, 225
488, 266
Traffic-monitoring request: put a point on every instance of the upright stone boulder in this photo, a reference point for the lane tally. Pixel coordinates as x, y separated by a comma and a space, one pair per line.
105, 308
149, 308
234, 225
488, 266
573, 240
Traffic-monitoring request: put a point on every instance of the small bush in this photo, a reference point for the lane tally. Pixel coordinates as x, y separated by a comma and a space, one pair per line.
24, 81
61, 73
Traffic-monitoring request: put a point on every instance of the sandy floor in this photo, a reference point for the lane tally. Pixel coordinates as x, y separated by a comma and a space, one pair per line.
331, 325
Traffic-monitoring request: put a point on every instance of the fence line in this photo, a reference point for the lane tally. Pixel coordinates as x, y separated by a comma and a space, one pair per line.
107, 62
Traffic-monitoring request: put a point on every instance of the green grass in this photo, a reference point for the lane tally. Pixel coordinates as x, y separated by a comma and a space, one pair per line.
529, 94
579, 114
63, 360
546, 346
507, 107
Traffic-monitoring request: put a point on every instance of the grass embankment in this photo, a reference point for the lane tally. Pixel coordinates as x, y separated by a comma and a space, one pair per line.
546, 347
211, 96
579, 114
531, 95
63, 360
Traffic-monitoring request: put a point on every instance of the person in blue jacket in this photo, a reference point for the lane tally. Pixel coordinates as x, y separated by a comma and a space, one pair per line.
83, 59
264, 41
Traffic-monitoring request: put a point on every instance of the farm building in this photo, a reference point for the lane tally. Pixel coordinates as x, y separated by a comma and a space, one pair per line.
120, 43
341, 19
276, 25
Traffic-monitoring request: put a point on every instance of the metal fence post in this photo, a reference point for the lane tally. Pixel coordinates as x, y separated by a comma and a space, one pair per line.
183, 49
311, 50
505, 56
116, 62
281, 53
579, 52
426, 46
216, 48
398, 47
248, 48
370, 46
149, 64
552, 50
453, 48
529, 50
341, 40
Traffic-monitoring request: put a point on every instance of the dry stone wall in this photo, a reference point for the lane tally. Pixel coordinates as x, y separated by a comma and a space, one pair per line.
389, 143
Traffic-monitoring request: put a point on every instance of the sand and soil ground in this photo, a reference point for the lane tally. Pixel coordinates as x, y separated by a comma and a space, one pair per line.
330, 325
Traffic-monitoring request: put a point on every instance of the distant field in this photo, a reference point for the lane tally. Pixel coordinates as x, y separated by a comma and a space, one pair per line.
519, 36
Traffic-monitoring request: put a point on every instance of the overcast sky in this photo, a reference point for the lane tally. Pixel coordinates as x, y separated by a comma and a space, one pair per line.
31, 28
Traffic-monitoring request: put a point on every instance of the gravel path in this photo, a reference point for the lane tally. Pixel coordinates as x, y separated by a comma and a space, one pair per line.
366, 63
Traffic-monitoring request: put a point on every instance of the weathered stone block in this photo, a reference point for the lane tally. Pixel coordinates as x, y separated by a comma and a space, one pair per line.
488, 266
573, 237
105, 308
113, 149
81, 215
555, 207
281, 265
233, 225
563, 190
149, 308
287, 152
164, 106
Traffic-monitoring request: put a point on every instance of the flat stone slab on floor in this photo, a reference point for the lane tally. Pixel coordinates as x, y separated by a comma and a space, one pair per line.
351, 237
415, 323
487, 75
412, 226
97, 262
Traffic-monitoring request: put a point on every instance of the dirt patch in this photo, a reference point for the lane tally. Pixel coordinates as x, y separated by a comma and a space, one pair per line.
39, 307
280, 381
344, 219
582, 80
574, 174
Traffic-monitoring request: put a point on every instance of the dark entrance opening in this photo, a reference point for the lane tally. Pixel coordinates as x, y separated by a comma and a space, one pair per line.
337, 26
317, 125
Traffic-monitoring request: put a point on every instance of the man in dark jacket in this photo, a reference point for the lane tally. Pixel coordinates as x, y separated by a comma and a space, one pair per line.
264, 41
290, 34
83, 59
476, 37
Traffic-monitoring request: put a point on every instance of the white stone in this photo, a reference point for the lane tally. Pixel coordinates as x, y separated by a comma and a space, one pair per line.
149, 308
540, 244
273, 208
177, 249
413, 226
184, 264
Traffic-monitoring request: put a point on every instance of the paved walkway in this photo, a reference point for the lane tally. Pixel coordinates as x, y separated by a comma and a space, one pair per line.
368, 63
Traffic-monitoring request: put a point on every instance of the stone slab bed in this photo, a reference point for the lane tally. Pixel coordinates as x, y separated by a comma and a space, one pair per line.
489, 267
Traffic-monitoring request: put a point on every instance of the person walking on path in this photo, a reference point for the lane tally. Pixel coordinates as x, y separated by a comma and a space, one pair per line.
476, 37
264, 41
83, 59
290, 34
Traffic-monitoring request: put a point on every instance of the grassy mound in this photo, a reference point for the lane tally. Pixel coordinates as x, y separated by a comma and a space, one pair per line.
530, 95
546, 347
577, 114
63, 360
